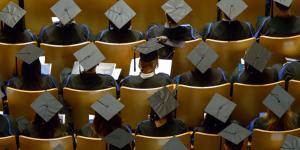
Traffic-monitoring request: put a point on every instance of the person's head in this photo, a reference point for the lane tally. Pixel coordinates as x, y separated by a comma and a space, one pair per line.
19, 27
282, 7
212, 125
90, 71
286, 122
46, 129
160, 121
231, 146
149, 62
102, 127
126, 27
31, 72
170, 21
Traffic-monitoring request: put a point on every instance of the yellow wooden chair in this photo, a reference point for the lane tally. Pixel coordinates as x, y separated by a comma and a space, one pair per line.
8, 142
19, 101
204, 141
156, 143
29, 143
136, 103
270, 140
119, 53
193, 100
8, 59
80, 102
230, 52
281, 47
249, 100
61, 56
84, 143
180, 63
293, 89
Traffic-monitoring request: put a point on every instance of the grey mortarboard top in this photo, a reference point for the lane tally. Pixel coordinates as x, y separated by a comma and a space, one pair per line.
59, 147
65, 10
220, 107
163, 102
286, 3
278, 101
257, 56
120, 14
107, 106
235, 133
118, 138
202, 57
89, 56
11, 14
148, 47
176, 9
174, 144
22, 123
291, 142
46, 106
232, 8
30, 53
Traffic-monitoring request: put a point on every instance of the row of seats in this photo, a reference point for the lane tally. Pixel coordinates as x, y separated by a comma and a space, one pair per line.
192, 100
261, 140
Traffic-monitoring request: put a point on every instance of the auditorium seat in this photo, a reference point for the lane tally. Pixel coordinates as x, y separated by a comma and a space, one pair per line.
193, 100
180, 63
293, 89
61, 56
156, 143
136, 103
249, 100
89, 143
80, 102
281, 47
28, 143
230, 52
19, 101
270, 140
204, 141
119, 53
8, 143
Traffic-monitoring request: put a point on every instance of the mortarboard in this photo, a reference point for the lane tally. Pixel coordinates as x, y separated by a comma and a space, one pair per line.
278, 101
163, 102
202, 57
46, 106
11, 14
22, 123
235, 133
108, 106
220, 107
257, 56
118, 138
30, 53
174, 144
120, 13
176, 9
65, 10
148, 47
59, 147
232, 8
286, 3
89, 56
290, 142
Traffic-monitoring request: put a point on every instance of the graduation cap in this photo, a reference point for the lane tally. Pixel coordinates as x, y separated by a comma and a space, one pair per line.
59, 147
290, 142
176, 9
257, 56
30, 53
278, 101
108, 106
89, 56
163, 102
235, 133
11, 14
220, 107
118, 138
202, 57
174, 144
46, 106
65, 10
232, 8
120, 13
286, 3
22, 123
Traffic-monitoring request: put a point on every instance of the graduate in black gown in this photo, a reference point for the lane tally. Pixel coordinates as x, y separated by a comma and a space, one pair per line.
290, 71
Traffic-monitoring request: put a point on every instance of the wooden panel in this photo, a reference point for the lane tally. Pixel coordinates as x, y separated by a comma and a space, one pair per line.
295, 8
255, 8
8, 142
91, 143
28, 143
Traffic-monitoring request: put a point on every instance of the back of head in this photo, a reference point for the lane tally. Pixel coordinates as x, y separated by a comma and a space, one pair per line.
45, 129
154, 116
170, 20
31, 75
282, 7
113, 27
287, 122
231, 146
148, 62
102, 127
212, 125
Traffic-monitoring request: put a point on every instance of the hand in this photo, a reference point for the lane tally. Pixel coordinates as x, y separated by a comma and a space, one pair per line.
162, 39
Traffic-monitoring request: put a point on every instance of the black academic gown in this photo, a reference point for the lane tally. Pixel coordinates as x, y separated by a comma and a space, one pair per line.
290, 71
158, 80
119, 36
17, 36
180, 33
45, 82
8, 126
269, 75
228, 31
262, 123
171, 128
65, 35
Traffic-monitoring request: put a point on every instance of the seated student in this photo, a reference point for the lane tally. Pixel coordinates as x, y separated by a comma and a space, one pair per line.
290, 71
173, 31
147, 78
282, 25
211, 125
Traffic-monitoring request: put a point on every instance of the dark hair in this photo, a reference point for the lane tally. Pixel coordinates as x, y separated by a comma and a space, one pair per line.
112, 26
212, 125
231, 145
154, 116
101, 127
282, 7
170, 20
286, 122
46, 129
31, 74
148, 61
